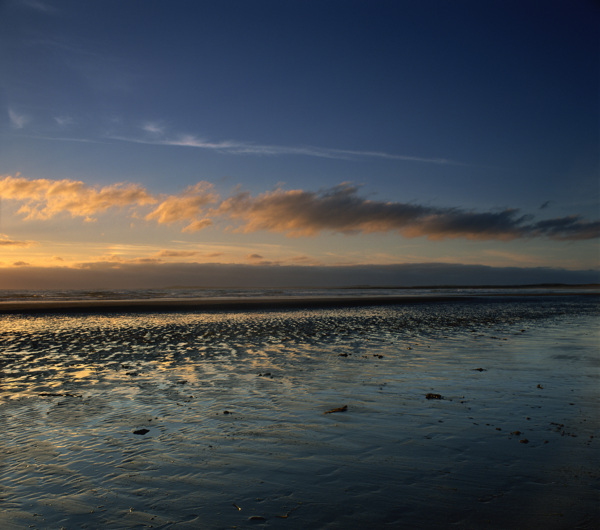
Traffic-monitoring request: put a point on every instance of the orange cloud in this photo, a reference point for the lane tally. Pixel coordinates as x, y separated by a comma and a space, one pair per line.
44, 198
305, 213
5, 242
177, 253
299, 213
186, 207
295, 213
196, 226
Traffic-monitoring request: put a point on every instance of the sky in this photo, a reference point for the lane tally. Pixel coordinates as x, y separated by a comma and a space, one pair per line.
153, 143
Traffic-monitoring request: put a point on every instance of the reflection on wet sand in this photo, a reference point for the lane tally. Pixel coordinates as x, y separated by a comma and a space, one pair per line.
214, 420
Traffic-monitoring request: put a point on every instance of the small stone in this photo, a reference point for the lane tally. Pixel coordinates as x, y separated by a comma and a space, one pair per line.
141, 431
338, 409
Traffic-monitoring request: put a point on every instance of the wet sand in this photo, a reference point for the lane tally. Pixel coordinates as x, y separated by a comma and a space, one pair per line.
461, 414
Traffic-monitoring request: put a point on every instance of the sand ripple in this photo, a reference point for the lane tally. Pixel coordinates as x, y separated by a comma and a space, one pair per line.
231, 431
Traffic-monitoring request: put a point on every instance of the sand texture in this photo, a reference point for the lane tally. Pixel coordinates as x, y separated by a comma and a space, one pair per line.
462, 414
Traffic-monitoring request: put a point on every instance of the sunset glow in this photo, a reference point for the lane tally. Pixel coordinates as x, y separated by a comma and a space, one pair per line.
296, 134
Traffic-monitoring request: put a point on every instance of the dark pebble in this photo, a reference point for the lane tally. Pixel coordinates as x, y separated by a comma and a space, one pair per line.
141, 431
339, 409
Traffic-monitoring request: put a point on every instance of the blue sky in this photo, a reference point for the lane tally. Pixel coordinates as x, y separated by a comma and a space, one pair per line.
299, 132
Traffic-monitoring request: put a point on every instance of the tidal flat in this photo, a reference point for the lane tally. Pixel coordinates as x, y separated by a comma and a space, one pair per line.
455, 414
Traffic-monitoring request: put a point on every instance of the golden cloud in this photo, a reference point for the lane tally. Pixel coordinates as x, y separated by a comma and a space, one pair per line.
5, 242
177, 253
44, 198
295, 213
186, 207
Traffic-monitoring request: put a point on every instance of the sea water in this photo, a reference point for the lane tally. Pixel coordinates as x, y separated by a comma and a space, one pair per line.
465, 412
16, 295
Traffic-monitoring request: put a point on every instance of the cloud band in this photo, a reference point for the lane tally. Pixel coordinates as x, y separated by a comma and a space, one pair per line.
294, 213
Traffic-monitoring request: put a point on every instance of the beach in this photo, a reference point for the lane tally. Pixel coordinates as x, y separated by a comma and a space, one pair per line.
296, 411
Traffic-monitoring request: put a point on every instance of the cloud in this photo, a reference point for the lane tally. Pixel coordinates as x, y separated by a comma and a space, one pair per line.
6, 242
150, 274
237, 147
253, 257
45, 198
64, 121
153, 128
305, 213
185, 207
567, 228
37, 5
17, 120
454, 223
177, 253
196, 226
340, 209
295, 213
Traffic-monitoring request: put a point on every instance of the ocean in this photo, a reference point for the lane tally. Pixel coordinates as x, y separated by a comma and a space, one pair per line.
464, 408
186, 293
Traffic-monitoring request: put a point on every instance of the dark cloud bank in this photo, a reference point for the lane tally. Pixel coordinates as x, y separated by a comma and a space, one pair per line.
141, 276
340, 209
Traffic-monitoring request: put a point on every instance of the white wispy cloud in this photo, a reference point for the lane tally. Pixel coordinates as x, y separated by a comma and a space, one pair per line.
64, 121
155, 134
249, 148
61, 138
18, 120
36, 5
153, 128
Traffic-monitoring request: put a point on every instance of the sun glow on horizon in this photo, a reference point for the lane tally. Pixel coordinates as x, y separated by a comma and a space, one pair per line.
320, 145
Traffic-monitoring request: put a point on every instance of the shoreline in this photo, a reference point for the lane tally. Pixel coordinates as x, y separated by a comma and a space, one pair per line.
149, 305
